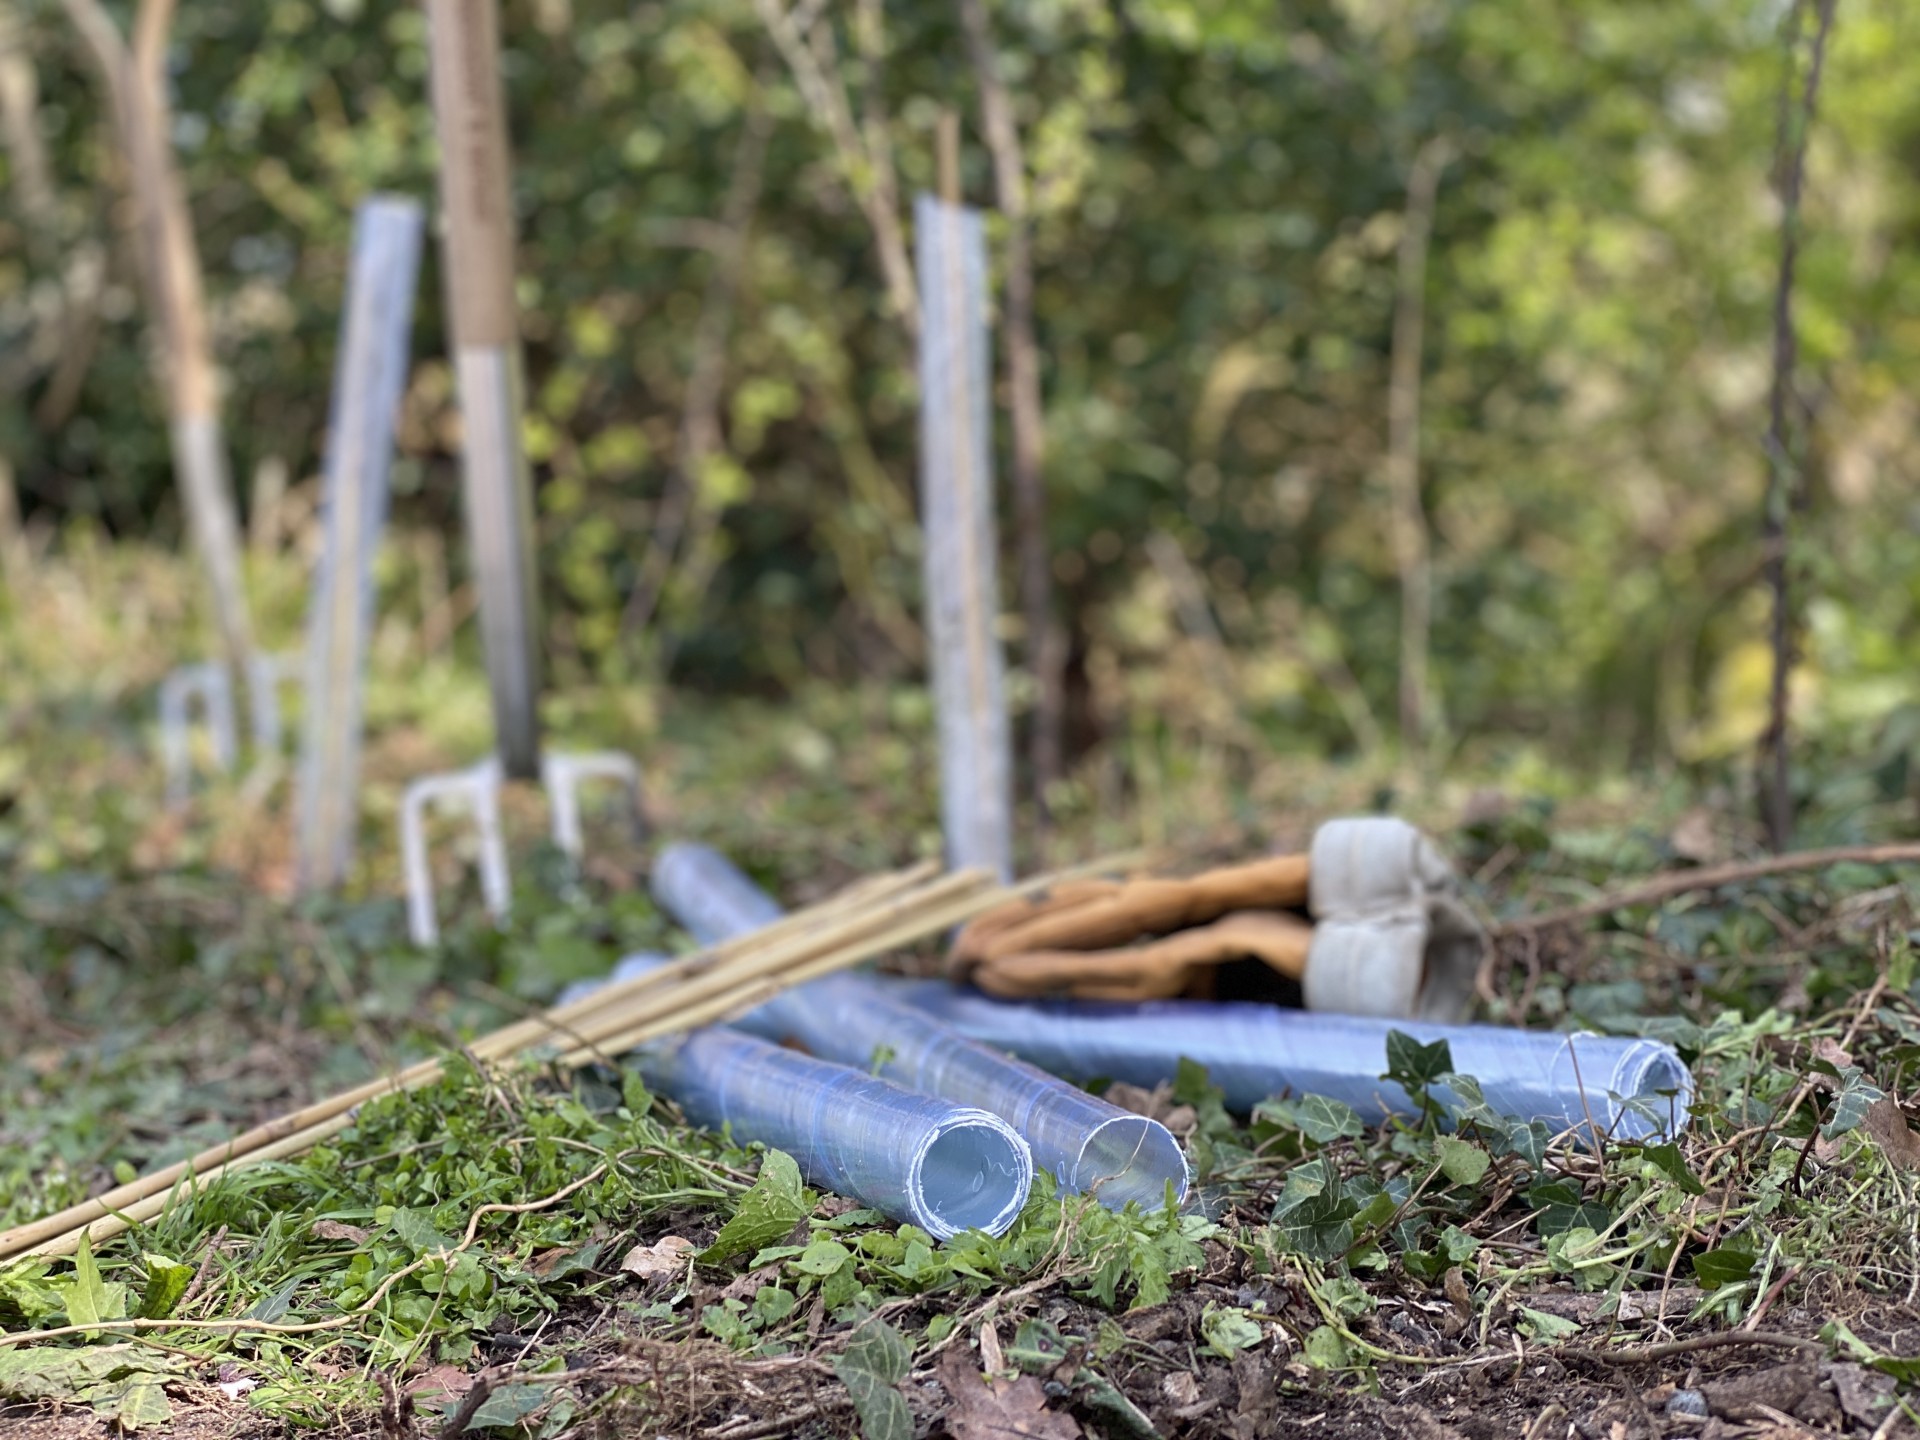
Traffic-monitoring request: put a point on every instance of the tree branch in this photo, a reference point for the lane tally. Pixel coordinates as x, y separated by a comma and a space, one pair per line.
151, 25
859, 168
1684, 882
1045, 642
1785, 491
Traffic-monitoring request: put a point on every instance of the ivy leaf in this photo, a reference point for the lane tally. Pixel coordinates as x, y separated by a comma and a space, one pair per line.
509, 1405
1561, 1209
775, 1204
1324, 1121
877, 1359
1857, 1096
1321, 1229
1462, 1163
1468, 1102
415, 1230
1529, 1141
1415, 1066
1674, 1166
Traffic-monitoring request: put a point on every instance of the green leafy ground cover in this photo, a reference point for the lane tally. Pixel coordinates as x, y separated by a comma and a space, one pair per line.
514, 1252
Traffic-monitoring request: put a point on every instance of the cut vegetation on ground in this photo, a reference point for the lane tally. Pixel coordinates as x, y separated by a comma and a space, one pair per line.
524, 1250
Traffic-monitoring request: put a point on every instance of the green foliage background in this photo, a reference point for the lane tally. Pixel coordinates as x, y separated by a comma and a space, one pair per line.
1219, 187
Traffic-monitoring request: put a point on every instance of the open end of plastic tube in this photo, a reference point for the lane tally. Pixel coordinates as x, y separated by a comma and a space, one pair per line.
1131, 1160
1655, 1088
972, 1174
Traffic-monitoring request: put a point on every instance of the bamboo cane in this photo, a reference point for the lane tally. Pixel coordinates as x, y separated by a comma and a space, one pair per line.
837, 933
737, 1002
867, 919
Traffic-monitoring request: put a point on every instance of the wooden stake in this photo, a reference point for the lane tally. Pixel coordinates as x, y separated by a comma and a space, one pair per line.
947, 135
477, 210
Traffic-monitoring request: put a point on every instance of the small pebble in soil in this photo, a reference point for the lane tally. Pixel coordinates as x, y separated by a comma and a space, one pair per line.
1687, 1402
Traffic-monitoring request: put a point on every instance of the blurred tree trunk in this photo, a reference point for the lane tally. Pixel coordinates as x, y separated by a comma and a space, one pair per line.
702, 438
862, 153
1786, 426
1412, 548
31, 174
133, 77
1045, 640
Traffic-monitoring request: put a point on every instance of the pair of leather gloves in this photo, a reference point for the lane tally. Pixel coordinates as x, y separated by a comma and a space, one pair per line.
1369, 922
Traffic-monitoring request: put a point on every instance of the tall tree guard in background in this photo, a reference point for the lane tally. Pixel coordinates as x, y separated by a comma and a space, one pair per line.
476, 199
134, 79
1046, 646
1786, 417
956, 503
1412, 546
370, 373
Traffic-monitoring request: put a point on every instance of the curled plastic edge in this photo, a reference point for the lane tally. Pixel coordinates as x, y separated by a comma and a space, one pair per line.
971, 1172
943, 1167
1089, 1145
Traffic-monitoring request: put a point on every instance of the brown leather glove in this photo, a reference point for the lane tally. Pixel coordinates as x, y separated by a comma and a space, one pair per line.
1389, 937
1143, 939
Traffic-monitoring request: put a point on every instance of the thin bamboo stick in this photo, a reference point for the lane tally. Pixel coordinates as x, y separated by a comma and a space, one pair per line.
147, 1209
837, 933
966, 890
728, 1006
866, 919
737, 1002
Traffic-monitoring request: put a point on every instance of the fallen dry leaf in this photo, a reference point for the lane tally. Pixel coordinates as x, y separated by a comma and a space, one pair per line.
546, 1260
335, 1230
1891, 1133
440, 1384
1866, 1395
746, 1285
1454, 1283
1180, 1388
1002, 1410
1829, 1050
666, 1256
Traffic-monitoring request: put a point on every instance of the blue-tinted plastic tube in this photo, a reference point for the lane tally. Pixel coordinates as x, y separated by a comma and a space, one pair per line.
1087, 1144
1626, 1089
914, 1157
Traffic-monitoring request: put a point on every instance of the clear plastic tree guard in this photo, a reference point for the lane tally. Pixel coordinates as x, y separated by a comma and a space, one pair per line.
1088, 1145
1623, 1088
914, 1157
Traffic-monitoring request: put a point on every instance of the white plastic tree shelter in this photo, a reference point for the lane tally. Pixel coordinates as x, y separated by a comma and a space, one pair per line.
370, 372
477, 210
956, 502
